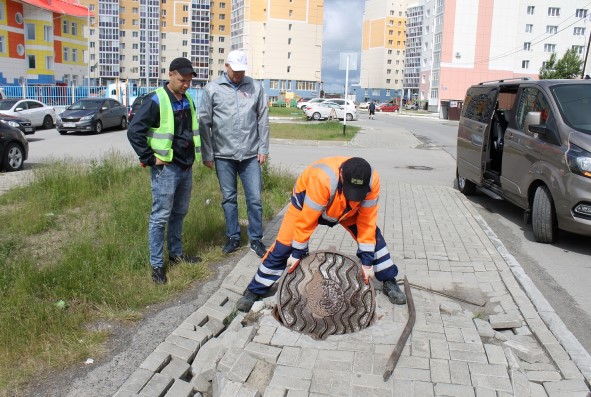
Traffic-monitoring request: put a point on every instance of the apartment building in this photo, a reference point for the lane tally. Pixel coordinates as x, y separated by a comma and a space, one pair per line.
221, 16
42, 42
464, 42
283, 42
135, 40
382, 50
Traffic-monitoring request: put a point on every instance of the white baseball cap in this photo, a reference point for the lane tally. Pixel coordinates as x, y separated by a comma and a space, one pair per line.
237, 61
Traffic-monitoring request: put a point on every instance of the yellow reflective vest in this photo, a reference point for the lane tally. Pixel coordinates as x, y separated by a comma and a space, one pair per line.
160, 139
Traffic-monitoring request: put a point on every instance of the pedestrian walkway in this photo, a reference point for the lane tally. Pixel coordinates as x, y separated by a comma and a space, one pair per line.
497, 345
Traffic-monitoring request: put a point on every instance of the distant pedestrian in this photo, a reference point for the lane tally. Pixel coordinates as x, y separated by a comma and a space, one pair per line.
372, 110
234, 127
164, 133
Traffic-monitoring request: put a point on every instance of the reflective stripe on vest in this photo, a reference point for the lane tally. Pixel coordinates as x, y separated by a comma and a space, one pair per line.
160, 139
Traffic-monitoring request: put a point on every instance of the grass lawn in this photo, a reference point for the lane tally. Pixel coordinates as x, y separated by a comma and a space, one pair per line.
74, 251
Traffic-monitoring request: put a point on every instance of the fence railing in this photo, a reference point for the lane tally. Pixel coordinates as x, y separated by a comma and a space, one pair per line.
61, 97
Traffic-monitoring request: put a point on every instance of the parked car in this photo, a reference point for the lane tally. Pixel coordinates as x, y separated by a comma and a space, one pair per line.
365, 106
92, 115
137, 102
21, 123
411, 106
529, 142
14, 148
40, 114
302, 105
328, 110
388, 107
342, 102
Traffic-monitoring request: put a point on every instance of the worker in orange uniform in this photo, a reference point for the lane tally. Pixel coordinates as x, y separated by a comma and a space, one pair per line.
333, 190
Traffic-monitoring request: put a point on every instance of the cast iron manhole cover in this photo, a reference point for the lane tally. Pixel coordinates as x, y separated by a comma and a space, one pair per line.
325, 295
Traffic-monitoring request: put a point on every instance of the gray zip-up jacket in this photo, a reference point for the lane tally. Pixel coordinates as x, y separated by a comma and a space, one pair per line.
233, 120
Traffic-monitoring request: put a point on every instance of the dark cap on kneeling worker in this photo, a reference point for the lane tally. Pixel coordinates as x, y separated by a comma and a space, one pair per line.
356, 176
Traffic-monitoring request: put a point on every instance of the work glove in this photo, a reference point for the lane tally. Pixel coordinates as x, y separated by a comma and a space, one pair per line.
368, 273
292, 263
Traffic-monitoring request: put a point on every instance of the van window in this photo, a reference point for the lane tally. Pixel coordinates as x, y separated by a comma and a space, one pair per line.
478, 104
574, 103
532, 100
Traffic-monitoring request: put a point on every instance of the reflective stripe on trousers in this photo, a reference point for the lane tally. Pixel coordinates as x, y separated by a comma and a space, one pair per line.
275, 261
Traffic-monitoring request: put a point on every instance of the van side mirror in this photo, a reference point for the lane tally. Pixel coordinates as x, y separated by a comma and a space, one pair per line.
532, 118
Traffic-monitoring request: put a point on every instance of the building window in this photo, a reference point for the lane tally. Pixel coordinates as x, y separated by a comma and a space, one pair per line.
48, 33
66, 55
222, 16
135, 10
134, 46
74, 29
74, 55
136, 22
49, 62
289, 40
435, 93
390, 42
185, 8
220, 50
551, 29
290, 13
65, 27
578, 49
288, 69
527, 46
30, 29
289, 55
135, 34
222, 28
530, 10
162, 35
579, 32
388, 71
529, 28
388, 81
524, 64
122, 33
32, 63
91, 7
289, 26
121, 21
388, 92
581, 13
163, 24
553, 11
185, 19
389, 52
2, 44
549, 47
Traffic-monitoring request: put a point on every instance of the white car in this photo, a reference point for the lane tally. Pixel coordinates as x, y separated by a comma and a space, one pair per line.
37, 112
330, 110
340, 101
313, 101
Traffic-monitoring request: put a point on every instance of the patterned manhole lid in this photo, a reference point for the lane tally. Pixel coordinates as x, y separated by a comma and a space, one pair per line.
325, 295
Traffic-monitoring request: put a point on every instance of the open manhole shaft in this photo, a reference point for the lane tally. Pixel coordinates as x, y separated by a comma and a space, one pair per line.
325, 295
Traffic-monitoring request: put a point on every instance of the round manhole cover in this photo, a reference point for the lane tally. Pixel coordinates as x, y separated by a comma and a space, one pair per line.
325, 295
419, 167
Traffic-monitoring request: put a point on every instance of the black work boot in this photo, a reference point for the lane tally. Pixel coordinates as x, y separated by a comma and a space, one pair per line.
393, 292
245, 303
158, 275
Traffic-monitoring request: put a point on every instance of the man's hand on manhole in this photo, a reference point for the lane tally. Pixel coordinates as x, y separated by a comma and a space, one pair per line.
368, 273
292, 263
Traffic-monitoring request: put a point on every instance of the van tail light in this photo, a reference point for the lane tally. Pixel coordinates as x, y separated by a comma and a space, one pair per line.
579, 160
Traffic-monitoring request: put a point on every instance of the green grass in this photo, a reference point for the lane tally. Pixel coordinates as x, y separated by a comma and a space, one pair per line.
79, 235
286, 112
317, 131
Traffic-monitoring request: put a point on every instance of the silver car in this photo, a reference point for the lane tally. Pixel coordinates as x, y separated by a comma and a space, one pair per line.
40, 114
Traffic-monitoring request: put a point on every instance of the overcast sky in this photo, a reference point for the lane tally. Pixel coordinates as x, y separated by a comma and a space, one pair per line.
342, 33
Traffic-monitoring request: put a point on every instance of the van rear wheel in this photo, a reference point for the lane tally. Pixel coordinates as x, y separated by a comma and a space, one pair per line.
543, 221
465, 186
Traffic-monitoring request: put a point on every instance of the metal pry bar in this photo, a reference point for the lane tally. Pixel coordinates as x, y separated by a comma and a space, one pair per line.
412, 315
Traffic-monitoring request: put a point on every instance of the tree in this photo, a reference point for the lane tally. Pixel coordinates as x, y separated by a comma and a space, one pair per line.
567, 67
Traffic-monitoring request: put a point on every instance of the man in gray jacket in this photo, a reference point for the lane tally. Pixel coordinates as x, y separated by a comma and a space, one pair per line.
234, 129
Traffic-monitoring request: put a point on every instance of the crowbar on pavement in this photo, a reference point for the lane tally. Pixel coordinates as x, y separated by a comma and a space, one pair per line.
393, 360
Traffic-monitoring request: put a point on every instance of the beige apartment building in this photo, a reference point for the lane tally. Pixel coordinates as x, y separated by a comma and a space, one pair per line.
135, 41
382, 51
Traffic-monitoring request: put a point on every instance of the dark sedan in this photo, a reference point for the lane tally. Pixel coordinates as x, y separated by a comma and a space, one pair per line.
21, 123
14, 148
92, 115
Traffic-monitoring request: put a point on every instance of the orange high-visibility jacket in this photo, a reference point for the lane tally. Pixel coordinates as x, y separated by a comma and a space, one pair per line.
318, 193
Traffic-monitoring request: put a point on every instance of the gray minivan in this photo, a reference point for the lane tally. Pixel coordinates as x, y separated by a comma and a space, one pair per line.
529, 142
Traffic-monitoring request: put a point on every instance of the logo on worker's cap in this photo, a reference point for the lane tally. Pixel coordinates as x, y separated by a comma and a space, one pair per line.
356, 177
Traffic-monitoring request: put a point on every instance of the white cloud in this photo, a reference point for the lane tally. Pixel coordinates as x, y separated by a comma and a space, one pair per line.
343, 21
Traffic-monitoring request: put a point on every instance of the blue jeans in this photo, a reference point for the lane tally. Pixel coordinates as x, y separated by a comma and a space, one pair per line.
249, 171
171, 193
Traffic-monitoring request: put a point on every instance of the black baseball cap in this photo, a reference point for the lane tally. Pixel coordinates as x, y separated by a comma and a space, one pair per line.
356, 173
182, 65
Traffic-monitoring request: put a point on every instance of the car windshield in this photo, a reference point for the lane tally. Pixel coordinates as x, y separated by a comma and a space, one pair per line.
6, 104
86, 105
574, 101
